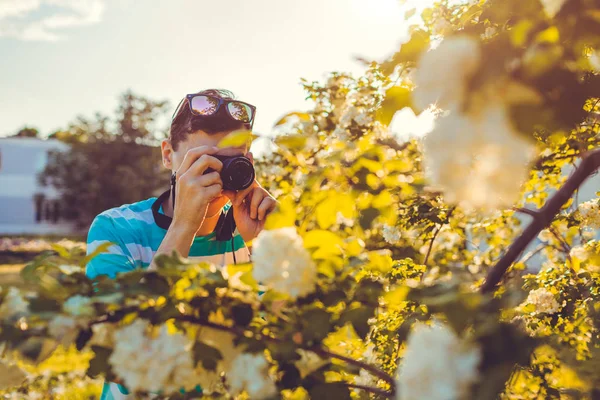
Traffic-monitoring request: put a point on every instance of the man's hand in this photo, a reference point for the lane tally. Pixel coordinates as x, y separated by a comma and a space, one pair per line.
195, 190
250, 208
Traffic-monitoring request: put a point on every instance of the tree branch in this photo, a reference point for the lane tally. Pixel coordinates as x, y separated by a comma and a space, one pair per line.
370, 389
589, 164
435, 235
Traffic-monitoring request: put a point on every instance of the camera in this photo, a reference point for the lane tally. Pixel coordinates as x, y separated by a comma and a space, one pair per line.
237, 173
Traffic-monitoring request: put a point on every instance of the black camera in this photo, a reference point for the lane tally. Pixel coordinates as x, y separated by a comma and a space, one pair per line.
237, 173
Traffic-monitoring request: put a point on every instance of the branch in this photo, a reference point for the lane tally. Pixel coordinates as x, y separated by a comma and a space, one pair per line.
317, 350
437, 232
370, 389
589, 164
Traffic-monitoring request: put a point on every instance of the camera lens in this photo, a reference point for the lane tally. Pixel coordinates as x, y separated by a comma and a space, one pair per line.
237, 173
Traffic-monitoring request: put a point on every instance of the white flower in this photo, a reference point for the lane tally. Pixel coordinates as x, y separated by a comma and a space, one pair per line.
590, 214
595, 60
479, 162
79, 306
437, 365
363, 118
282, 263
152, 364
543, 300
546, 236
441, 73
64, 329
552, 7
490, 31
579, 252
250, 372
391, 234
13, 305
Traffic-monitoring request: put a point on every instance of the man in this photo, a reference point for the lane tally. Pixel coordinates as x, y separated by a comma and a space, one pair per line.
200, 217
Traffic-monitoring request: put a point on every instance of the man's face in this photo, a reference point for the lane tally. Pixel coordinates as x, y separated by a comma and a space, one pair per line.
173, 159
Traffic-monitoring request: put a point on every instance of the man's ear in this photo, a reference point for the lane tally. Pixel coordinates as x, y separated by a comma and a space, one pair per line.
167, 153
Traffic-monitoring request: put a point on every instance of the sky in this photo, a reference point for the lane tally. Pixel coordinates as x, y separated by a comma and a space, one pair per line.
64, 58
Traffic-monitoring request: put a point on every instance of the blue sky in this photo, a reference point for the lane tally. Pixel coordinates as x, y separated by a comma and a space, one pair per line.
63, 58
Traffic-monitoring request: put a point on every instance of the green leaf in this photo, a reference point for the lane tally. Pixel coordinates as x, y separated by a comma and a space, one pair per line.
99, 364
396, 98
242, 314
237, 139
10, 376
103, 248
317, 324
330, 391
359, 318
207, 355
61, 250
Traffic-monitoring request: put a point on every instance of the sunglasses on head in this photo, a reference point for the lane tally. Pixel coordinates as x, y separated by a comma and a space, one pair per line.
205, 105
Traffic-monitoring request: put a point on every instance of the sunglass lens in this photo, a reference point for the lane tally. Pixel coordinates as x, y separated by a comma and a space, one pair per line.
240, 111
204, 105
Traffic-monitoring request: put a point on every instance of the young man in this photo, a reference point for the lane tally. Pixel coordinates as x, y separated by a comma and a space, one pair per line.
198, 217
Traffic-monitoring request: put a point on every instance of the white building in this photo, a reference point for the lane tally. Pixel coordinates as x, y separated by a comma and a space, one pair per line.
26, 207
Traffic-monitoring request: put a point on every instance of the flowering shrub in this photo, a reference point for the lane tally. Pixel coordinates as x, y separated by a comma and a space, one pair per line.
393, 267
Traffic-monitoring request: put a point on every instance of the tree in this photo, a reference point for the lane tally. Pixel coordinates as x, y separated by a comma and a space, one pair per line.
110, 162
391, 268
27, 132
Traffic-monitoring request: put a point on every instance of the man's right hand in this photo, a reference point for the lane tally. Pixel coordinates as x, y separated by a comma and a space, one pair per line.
194, 190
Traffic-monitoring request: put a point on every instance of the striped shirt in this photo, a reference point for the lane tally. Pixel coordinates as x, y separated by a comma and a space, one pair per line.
135, 237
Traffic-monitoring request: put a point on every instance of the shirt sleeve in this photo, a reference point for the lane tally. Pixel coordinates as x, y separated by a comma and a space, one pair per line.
114, 259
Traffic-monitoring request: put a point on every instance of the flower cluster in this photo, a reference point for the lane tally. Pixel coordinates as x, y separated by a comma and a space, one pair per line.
437, 365
250, 373
543, 300
391, 234
282, 263
589, 214
477, 157
145, 363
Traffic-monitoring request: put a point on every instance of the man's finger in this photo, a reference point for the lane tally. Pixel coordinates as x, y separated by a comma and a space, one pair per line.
257, 197
203, 163
194, 154
242, 194
266, 206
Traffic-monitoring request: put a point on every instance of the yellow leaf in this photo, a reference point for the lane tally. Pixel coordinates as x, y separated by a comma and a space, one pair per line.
395, 297
380, 261
327, 243
518, 34
302, 116
292, 142
283, 216
237, 139
550, 35
396, 98
326, 211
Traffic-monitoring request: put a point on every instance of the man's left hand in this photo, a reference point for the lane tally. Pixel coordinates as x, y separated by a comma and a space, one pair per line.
250, 209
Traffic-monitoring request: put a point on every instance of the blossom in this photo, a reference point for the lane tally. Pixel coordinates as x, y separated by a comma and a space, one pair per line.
552, 7
250, 372
391, 234
579, 252
79, 306
543, 300
13, 305
478, 161
441, 73
282, 263
546, 236
589, 213
163, 363
437, 365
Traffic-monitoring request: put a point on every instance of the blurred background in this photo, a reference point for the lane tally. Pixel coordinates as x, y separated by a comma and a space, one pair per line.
88, 87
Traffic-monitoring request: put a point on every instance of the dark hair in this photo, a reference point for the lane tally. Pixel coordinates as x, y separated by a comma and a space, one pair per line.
185, 122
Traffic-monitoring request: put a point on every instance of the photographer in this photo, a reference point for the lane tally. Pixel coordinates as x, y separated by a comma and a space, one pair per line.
214, 204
